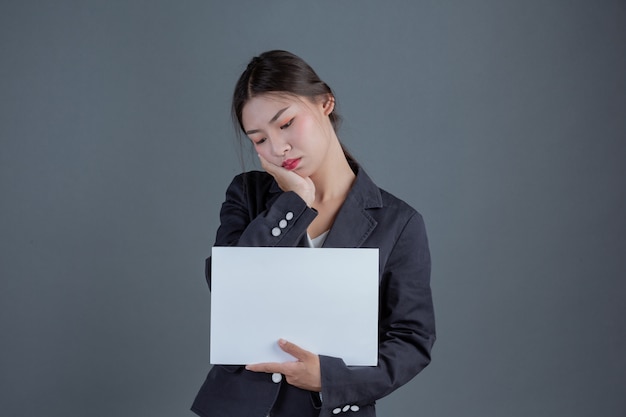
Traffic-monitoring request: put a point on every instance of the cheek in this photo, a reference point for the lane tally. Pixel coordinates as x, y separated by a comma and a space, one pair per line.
301, 132
265, 152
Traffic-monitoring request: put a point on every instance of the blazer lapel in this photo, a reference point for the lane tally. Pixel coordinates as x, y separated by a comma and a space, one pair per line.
353, 223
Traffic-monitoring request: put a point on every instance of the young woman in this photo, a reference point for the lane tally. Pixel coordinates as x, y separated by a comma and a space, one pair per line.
313, 193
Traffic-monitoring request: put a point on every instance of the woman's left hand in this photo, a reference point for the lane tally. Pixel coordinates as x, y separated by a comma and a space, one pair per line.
304, 373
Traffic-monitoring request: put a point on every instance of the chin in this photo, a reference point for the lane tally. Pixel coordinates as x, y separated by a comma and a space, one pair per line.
303, 172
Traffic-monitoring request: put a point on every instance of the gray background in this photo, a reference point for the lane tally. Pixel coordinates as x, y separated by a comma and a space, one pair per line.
502, 122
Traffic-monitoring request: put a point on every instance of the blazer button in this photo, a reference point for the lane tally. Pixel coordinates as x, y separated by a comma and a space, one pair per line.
337, 410
282, 224
289, 215
355, 408
276, 232
276, 377
345, 408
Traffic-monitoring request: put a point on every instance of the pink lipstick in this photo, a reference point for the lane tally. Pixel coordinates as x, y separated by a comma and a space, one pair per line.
291, 164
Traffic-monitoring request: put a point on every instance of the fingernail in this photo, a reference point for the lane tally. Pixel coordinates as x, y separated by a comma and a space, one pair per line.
282, 342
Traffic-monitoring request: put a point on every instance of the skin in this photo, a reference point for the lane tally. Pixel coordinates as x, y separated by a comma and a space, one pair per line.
284, 127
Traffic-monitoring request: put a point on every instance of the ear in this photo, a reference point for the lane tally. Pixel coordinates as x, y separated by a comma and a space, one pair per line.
328, 104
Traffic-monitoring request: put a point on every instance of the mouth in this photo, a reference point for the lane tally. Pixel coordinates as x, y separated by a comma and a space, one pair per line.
291, 164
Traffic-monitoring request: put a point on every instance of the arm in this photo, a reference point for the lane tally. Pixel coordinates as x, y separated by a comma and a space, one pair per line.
290, 209
246, 221
406, 328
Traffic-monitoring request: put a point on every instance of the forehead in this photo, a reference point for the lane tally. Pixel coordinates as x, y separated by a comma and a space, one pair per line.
263, 107
268, 102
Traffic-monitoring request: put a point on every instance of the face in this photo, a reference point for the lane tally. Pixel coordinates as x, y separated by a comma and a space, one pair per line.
292, 132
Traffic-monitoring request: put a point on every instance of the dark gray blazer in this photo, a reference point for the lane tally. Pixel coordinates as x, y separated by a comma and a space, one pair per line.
369, 218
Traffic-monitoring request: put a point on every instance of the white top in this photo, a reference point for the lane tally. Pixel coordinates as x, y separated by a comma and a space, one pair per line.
318, 241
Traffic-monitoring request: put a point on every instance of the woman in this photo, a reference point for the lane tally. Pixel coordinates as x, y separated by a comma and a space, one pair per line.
313, 193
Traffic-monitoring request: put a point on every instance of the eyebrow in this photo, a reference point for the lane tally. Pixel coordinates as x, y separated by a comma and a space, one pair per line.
276, 116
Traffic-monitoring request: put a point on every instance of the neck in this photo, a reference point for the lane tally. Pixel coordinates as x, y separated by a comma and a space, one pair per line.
335, 178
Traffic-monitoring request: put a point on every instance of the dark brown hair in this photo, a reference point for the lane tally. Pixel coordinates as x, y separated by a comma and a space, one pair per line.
281, 72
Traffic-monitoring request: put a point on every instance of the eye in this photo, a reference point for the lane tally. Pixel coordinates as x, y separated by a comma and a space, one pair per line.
286, 125
260, 141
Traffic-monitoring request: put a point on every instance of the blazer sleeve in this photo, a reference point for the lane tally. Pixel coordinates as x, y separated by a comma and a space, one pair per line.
246, 221
406, 328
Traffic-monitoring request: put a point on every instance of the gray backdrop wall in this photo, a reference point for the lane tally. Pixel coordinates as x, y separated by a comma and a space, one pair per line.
502, 122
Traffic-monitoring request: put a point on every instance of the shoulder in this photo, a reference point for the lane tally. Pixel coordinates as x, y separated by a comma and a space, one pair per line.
253, 178
378, 199
398, 217
252, 189
392, 202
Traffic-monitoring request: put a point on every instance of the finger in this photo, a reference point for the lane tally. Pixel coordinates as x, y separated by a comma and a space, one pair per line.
268, 367
294, 350
267, 166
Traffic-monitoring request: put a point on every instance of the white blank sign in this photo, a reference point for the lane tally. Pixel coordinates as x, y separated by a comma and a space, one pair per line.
323, 299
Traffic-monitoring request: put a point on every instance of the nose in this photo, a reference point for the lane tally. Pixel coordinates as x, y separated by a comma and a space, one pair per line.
280, 147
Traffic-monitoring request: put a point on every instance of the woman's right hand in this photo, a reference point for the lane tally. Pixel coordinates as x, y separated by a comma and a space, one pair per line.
290, 181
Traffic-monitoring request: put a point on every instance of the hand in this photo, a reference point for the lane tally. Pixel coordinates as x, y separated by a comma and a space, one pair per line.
290, 181
304, 373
